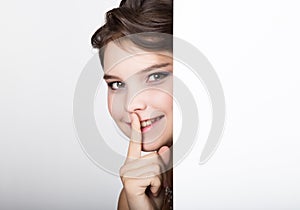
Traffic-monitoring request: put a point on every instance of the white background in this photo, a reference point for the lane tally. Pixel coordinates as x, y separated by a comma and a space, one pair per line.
254, 48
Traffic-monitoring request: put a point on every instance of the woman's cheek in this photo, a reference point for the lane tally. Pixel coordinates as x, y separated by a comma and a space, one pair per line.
109, 104
162, 100
115, 105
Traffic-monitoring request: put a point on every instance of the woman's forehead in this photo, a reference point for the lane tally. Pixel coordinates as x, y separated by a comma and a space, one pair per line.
124, 63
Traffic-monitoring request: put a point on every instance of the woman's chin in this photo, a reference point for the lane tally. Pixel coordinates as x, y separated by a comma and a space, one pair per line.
151, 147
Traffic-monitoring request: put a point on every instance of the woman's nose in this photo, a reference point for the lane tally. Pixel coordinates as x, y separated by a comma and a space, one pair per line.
135, 102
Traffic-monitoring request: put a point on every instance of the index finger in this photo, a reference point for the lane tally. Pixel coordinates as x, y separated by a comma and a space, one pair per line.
135, 144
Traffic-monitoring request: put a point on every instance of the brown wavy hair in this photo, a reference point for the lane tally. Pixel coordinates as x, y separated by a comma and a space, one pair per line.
152, 19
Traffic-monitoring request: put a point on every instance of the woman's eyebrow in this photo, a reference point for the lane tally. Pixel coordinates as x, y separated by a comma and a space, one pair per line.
155, 66
107, 76
152, 67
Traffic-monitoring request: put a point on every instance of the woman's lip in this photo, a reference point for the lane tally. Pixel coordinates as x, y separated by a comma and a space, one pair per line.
149, 127
161, 116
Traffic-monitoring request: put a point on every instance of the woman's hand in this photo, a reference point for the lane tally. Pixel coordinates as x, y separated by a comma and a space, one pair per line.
142, 177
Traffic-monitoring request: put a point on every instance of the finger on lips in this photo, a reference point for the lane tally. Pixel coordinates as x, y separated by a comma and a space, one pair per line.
135, 144
149, 169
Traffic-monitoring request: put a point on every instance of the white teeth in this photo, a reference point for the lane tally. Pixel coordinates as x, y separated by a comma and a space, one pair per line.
149, 122
146, 123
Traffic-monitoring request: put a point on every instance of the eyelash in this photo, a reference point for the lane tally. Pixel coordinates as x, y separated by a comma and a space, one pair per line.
110, 85
161, 75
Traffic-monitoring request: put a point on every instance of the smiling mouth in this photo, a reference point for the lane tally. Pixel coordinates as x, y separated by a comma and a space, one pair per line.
149, 122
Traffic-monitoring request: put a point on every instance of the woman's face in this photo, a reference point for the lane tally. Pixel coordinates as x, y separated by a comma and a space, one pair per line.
141, 82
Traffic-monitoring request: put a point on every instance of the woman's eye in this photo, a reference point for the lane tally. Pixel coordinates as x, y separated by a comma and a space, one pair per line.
116, 85
157, 76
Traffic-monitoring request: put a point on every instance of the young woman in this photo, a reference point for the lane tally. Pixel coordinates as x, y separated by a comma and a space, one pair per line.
135, 49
